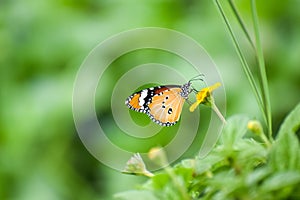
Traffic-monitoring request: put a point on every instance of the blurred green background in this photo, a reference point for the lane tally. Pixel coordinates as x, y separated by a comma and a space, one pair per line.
42, 45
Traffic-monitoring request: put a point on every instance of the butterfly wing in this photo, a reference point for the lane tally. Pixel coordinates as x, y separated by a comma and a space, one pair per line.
166, 107
139, 101
133, 102
163, 104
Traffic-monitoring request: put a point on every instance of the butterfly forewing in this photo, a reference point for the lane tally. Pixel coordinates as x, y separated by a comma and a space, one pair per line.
133, 101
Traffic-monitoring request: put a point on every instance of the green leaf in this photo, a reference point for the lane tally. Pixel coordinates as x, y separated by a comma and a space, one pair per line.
136, 194
159, 181
234, 130
285, 153
210, 162
226, 184
257, 176
185, 173
291, 123
250, 154
281, 180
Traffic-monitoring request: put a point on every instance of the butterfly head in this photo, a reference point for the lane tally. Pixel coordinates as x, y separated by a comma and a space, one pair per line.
185, 90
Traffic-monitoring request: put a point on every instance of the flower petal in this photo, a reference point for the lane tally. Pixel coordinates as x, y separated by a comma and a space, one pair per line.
194, 106
203, 94
213, 87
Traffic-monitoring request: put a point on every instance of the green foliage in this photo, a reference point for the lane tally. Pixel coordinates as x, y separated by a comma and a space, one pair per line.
146, 195
42, 45
239, 167
285, 154
291, 123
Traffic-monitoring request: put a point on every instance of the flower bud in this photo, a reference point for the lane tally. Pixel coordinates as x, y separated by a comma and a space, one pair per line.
158, 155
255, 127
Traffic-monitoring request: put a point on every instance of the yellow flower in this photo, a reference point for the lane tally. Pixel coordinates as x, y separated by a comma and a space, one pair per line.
204, 96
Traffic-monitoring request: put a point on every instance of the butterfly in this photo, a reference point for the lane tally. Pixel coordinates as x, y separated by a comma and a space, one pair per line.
163, 104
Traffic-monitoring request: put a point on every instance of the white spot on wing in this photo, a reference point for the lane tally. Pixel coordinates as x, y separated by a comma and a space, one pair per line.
142, 97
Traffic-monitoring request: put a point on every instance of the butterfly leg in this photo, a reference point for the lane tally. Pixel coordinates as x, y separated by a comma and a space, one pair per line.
194, 90
188, 101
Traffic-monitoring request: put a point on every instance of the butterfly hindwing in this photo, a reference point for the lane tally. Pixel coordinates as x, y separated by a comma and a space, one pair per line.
166, 106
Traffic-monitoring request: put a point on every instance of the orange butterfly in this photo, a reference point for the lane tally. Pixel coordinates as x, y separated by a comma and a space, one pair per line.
163, 104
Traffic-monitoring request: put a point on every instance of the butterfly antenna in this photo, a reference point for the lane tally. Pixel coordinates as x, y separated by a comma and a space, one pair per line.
199, 77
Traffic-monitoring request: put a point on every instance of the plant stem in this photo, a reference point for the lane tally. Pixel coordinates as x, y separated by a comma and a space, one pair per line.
217, 111
238, 17
177, 184
158, 155
266, 141
244, 62
262, 68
